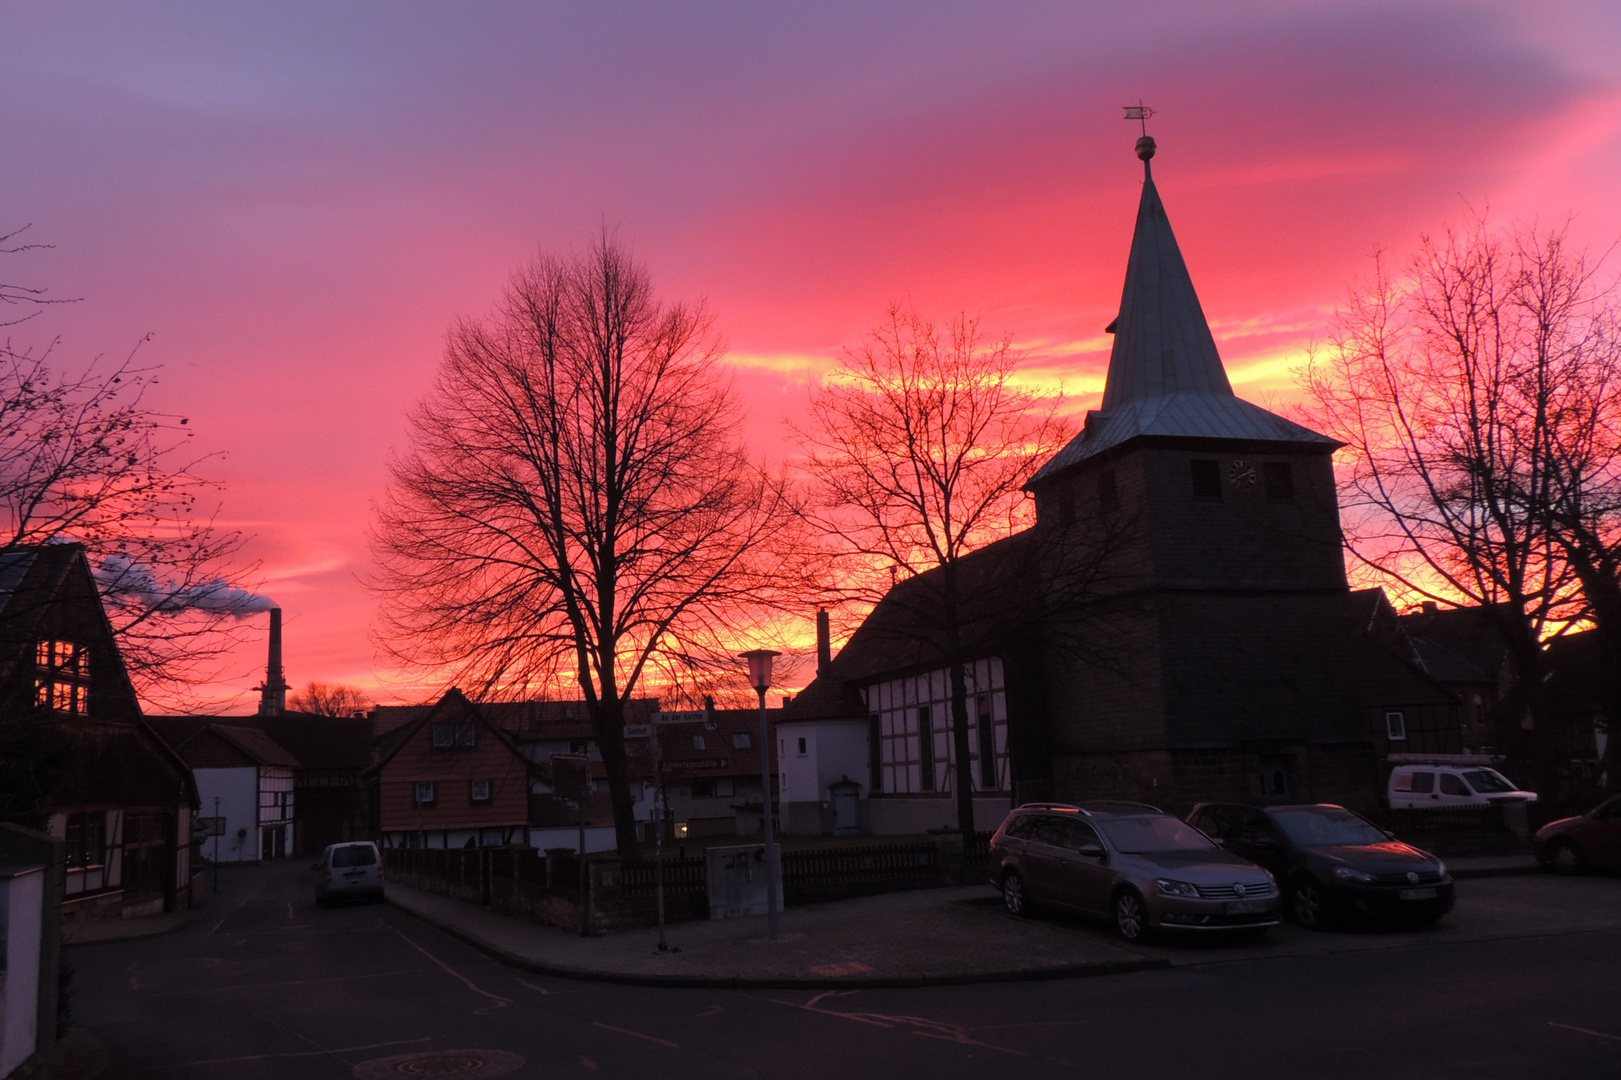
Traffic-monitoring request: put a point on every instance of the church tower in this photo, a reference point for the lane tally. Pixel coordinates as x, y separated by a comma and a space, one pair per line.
1216, 661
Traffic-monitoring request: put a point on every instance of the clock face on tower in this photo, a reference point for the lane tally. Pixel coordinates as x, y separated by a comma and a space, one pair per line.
1241, 474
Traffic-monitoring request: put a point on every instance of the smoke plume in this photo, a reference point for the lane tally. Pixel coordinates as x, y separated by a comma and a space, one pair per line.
128, 579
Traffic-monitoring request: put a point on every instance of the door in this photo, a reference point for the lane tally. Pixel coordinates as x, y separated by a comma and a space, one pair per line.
1452, 791
1043, 855
1256, 838
846, 821
1083, 870
1606, 833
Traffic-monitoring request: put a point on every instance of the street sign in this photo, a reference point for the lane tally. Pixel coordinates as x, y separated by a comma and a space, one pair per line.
690, 716
638, 731
571, 776
210, 826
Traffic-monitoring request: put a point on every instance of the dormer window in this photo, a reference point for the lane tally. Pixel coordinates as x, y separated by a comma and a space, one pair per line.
454, 736
62, 677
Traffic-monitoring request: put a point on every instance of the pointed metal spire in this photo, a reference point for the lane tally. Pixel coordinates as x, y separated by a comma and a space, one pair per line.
1165, 373
1162, 342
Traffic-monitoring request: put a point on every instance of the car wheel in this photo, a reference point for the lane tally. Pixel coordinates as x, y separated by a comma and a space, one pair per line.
1013, 894
1566, 858
1130, 916
1310, 905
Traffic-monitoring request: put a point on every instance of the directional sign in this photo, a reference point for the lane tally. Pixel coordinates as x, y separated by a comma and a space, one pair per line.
638, 731
571, 776
691, 716
210, 826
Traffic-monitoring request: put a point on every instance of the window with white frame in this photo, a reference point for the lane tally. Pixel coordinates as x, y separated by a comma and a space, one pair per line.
1396, 726
911, 728
478, 791
460, 735
423, 793
741, 741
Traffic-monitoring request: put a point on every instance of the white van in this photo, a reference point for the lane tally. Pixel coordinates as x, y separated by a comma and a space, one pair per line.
348, 872
1427, 786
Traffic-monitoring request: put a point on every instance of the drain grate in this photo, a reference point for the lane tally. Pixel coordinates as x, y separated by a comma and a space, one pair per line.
474, 1064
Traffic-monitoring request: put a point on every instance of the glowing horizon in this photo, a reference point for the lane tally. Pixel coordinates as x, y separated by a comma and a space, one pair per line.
297, 203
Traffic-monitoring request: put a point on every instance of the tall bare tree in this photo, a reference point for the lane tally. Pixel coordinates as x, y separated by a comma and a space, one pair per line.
1462, 389
575, 504
919, 449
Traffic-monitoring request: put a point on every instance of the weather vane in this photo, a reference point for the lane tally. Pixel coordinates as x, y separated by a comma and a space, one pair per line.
1140, 112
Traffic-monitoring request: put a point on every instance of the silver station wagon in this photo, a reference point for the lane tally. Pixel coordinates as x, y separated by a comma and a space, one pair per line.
1131, 863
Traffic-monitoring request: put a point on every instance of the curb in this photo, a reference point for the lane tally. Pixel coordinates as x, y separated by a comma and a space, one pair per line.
826, 982
1491, 872
161, 931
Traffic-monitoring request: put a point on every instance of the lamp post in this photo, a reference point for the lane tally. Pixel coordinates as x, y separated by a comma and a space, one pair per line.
760, 676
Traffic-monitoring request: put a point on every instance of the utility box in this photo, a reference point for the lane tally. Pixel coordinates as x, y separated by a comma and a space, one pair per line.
737, 881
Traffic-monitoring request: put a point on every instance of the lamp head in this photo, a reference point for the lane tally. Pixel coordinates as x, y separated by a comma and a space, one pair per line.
760, 667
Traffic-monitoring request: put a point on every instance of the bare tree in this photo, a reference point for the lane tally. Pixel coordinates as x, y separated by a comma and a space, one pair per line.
84, 458
919, 450
329, 699
1461, 389
575, 505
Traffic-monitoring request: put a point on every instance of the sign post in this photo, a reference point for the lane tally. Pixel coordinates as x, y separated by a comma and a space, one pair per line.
571, 779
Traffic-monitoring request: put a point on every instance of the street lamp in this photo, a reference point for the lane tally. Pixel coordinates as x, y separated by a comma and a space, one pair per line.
760, 676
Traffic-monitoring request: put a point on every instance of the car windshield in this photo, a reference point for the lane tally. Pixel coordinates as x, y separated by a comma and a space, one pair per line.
1143, 835
1325, 826
357, 855
1487, 781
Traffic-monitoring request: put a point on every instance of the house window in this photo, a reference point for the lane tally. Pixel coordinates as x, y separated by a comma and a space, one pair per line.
801, 747
698, 742
925, 745
478, 791
703, 789
62, 677
423, 793
460, 735
741, 741
579, 746
1396, 726
1279, 477
1108, 492
987, 743
1206, 479
87, 840
725, 788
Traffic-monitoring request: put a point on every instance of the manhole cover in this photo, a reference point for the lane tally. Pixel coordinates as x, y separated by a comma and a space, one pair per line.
475, 1064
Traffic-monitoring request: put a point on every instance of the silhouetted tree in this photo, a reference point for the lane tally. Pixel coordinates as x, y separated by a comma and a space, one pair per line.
329, 699
575, 504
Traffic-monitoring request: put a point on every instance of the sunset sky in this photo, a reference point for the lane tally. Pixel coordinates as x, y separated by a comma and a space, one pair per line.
297, 200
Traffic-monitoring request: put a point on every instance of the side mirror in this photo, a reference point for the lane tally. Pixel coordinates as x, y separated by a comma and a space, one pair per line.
1094, 850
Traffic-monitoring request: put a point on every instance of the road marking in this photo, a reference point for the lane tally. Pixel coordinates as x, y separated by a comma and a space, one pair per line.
853, 967
292, 1054
531, 986
637, 1035
1584, 1031
713, 1010
499, 1001
290, 914
588, 1063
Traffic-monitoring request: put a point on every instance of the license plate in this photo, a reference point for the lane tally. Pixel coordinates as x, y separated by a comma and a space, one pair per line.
1245, 907
1418, 894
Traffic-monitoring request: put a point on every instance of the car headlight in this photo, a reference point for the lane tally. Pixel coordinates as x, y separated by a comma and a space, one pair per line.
1351, 873
1442, 868
1175, 888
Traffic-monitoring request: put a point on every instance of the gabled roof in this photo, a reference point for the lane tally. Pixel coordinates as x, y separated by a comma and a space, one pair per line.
1165, 375
311, 741
453, 703
1457, 645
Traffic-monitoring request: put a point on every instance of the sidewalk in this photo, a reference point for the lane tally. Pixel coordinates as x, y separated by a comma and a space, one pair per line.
925, 937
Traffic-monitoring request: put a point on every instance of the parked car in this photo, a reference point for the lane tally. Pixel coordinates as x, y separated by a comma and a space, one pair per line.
1418, 787
1130, 863
1574, 844
349, 871
1333, 863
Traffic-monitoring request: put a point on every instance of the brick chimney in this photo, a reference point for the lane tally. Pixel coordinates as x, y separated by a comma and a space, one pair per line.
273, 691
824, 644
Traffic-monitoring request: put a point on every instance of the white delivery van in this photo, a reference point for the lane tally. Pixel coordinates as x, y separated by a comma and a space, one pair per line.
349, 872
1425, 786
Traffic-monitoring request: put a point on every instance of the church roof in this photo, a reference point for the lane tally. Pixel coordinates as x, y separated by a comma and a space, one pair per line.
1165, 375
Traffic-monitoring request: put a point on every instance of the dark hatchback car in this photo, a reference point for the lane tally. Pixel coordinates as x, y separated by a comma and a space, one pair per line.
1592, 840
1334, 864
1133, 864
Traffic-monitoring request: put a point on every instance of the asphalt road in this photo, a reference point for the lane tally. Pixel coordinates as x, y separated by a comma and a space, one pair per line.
268, 985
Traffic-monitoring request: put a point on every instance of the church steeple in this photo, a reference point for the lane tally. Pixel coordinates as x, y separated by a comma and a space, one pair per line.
1165, 375
1162, 343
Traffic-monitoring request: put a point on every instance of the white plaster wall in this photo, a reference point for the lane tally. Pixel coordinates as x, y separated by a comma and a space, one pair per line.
22, 909
238, 793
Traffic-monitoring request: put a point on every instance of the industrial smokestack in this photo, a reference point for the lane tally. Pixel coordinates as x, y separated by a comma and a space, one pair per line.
824, 644
273, 693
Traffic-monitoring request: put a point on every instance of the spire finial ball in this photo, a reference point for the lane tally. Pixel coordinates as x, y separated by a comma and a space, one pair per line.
1145, 147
